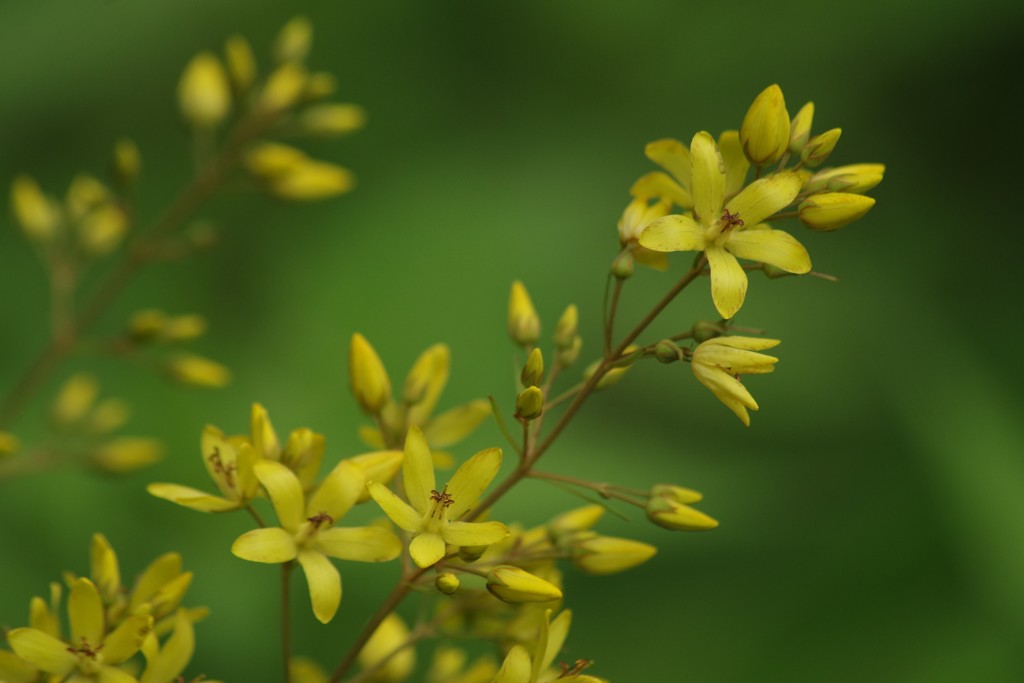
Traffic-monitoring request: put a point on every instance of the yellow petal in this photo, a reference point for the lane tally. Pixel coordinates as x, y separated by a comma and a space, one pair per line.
85, 612
175, 655
454, 425
104, 568
658, 185
378, 466
285, 492
272, 545
747, 343
726, 389
425, 382
470, 480
126, 639
324, 584
42, 651
515, 668
474, 533
708, 184
13, 669
418, 471
303, 454
359, 544
194, 499
371, 436
673, 156
159, 573
426, 549
264, 438
558, 631
773, 247
400, 512
170, 595
673, 233
107, 674
734, 161
728, 281
339, 491
391, 635
735, 361
761, 198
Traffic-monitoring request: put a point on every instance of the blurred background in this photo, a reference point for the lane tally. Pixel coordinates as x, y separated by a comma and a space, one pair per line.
872, 517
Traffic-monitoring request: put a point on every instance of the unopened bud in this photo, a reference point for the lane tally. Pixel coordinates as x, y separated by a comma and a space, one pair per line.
669, 514
774, 272
667, 351
818, 148
623, 265
764, 133
523, 321
126, 454
147, 324
203, 93
271, 159
241, 63
108, 416
85, 193
569, 355
613, 376
852, 178
387, 651
512, 584
565, 330
800, 128
127, 162
601, 555
833, 210
183, 328
704, 330
529, 403
332, 120
303, 454
533, 372
198, 372
294, 40
472, 553
427, 377
679, 494
37, 214
283, 89
75, 398
311, 180
578, 519
102, 229
447, 583
367, 377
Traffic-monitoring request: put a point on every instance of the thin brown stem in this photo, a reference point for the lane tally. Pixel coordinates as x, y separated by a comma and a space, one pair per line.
609, 324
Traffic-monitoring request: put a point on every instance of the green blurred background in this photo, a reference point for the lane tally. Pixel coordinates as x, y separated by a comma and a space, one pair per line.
872, 515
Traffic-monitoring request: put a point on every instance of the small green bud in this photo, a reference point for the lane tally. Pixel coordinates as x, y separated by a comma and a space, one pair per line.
569, 355
529, 403
472, 553
447, 583
667, 351
704, 330
623, 266
533, 372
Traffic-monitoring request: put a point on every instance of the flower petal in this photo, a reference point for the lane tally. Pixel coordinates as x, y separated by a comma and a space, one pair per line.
761, 198
515, 668
324, 584
418, 471
285, 491
175, 655
271, 545
426, 549
371, 436
558, 631
110, 674
746, 343
159, 573
400, 512
339, 491
470, 480
194, 499
728, 281
13, 669
673, 233
474, 533
708, 183
774, 247
658, 185
673, 156
359, 544
726, 389
427, 379
734, 160
456, 424
42, 650
127, 638
85, 612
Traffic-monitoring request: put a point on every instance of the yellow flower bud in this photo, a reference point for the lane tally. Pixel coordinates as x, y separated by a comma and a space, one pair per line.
679, 494
312, 180
146, 324
669, 514
833, 210
103, 567
203, 93
569, 355
127, 161
613, 376
800, 128
303, 454
426, 379
270, 159
530, 403
512, 584
109, 416
533, 372
853, 178
75, 398
820, 147
127, 454
523, 321
565, 330
447, 583
198, 371
241, 62
578, 519
37, 214
262, 435
9, 444
183, 328
330, 120
367, 377
283, 89
85, 193
765, 130
389, 636
601, 555
320, 85
102, 229
294, 40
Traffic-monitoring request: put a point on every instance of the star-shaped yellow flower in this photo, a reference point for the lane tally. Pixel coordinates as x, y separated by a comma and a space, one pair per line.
725, 231
719, 362
307, 533
432, 514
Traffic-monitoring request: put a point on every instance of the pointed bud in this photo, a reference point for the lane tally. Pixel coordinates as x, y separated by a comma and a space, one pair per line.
703, 330
241, 63
447, 583
127, 162
9, 444
37, 215
765, 130
101, 230
311, 180
270, 159
833, 210
203, 93
146, 324
533, 372
512, 584
320, 85
679, 494
285, 86
472, 553
800, 128
669, 514
198, 372
183, 328
75, 399
623, 265
578, 519
426, 380
600, 555
262, 435
853, 178
820, 147
566, 328
294, 40
367, 377
332, 120
523, 321
529, 403
569, 355
667, 351
126, 454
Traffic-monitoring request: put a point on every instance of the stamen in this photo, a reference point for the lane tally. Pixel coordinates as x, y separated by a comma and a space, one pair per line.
576, 669
85, 649
319, 519
731, 220
443, 498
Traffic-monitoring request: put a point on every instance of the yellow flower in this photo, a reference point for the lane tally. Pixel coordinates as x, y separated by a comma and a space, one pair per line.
522, 667
391, 635
229, 464
431, 515
307, 533
725, 231
637, 216
719, 362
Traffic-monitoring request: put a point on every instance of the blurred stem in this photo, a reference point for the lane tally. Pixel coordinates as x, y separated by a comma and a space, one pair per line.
609, 323
422, 631
602, 489
286, 622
